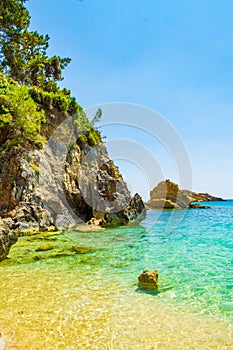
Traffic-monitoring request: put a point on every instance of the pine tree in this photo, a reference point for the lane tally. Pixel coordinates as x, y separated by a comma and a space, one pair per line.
23, 53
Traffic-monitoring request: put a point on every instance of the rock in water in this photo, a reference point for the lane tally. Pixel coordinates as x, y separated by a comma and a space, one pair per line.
168, 195
148, 280
6, 240
198, 206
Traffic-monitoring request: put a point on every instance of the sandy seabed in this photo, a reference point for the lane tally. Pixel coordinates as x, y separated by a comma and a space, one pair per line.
58, 307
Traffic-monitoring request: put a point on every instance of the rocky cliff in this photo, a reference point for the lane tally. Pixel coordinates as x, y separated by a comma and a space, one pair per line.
71, 180
201, 197
7, 239
167, 195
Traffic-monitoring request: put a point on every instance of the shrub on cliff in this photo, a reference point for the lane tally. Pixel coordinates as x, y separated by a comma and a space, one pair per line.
60, 99
20, 119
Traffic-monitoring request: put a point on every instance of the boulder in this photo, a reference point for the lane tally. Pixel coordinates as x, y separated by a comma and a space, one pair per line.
168, 195
148, 280
161, 204
7, 239
45, 248
198, 206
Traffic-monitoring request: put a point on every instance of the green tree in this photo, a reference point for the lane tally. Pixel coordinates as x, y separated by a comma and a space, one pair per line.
14, 18
97, 117
20, 119
23, 53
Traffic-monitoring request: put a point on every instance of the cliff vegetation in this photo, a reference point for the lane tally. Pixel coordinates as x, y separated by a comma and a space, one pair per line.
36, 118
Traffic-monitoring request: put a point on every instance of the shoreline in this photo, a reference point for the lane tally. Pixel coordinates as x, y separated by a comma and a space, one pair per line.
83, 294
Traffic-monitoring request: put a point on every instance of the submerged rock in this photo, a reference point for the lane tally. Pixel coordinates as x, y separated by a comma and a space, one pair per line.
91, 226
45, 248
82, 250
148, 280
7, 239
198, 206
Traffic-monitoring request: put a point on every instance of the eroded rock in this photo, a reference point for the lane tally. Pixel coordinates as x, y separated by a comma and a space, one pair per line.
62, 185
148, 280
96, 190
167, 195
199, 206
7, 239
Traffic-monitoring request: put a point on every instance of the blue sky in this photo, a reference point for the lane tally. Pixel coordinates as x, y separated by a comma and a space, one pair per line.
173, 56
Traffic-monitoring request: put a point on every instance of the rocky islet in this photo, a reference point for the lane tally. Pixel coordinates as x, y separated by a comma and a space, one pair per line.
168, 195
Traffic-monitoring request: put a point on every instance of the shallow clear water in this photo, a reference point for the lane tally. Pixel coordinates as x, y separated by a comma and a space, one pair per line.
86, 297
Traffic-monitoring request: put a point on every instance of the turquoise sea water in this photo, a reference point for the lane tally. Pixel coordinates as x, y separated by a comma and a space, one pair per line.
82, 292
191, 249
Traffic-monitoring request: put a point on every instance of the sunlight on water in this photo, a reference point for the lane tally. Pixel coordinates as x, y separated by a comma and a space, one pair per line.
83, 294
56, 305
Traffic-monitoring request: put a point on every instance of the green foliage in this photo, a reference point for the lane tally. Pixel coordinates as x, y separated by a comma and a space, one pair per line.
19, 115
87, 133
28, 83
90, 137
59, 99
14, 17
93, 137
26, 158
97, 117
82, 121
22, 112
83, 139
23, 54
35, 168
72, 147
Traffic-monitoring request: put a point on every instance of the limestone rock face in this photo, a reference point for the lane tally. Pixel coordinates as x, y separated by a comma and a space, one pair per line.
66, 183
7, 239
132, 213
167, 195
148, 280
162, 204
96, 190
20, 201
201, 197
